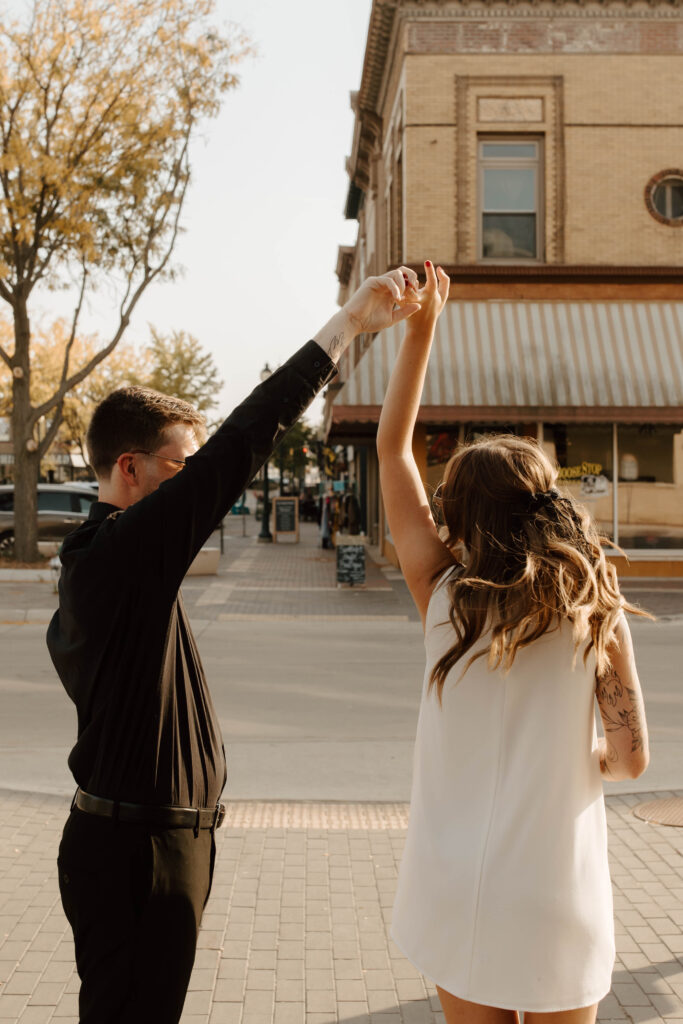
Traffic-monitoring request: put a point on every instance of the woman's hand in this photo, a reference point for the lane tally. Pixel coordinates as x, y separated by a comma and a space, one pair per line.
432, 297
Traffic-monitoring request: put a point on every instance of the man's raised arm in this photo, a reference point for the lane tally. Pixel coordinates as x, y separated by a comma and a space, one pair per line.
169, 526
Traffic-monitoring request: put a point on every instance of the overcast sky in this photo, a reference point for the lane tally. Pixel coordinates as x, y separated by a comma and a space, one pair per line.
264, 216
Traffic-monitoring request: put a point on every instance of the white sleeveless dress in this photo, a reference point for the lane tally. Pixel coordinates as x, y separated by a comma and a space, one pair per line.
504, 894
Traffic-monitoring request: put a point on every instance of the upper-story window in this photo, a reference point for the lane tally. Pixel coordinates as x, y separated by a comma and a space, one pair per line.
664, 197
510, 199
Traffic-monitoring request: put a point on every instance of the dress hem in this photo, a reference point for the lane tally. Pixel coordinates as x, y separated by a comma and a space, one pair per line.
504, 1004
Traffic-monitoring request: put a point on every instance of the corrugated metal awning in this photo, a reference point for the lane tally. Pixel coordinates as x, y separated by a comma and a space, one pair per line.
511, 361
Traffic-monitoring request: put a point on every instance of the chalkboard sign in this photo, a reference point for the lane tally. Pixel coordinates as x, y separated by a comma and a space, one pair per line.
350, 562
286, 514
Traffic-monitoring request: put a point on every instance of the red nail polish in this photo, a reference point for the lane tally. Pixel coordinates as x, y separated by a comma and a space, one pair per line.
428, 263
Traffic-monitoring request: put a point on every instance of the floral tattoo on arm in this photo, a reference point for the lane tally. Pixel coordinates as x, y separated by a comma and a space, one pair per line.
620, 709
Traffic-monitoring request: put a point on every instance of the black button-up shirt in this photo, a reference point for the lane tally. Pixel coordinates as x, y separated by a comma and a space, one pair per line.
120, 639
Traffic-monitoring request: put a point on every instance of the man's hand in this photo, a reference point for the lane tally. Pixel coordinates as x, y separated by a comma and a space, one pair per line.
378, 303
381, 302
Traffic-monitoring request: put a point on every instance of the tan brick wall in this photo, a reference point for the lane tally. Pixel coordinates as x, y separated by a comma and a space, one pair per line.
430, 194
607, 221
622, 117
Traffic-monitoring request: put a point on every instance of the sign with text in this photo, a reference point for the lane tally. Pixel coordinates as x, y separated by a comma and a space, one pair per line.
350, 559
286, 518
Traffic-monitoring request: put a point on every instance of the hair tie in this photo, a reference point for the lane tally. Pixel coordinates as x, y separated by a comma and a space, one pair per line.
538, 500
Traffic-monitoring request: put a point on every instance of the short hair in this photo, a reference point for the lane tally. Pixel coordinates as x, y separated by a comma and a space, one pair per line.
135, 418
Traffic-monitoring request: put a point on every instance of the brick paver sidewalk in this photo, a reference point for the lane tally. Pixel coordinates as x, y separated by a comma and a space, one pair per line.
286, 580
296, 928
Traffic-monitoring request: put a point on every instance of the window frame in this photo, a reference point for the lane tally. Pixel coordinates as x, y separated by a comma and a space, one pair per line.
538, 163
672, 175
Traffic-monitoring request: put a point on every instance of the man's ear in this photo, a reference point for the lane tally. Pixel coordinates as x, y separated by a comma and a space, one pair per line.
126, 466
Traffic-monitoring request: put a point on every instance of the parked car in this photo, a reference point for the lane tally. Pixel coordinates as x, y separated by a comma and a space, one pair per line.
61, 507
240, 508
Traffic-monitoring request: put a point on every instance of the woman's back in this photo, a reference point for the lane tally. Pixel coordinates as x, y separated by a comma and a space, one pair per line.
504, 895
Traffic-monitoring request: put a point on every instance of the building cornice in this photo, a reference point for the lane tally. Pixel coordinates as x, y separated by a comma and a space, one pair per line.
387, 15
622, 273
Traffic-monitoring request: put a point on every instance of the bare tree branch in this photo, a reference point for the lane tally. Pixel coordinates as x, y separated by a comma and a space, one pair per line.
74, 325
51, 431
76, 378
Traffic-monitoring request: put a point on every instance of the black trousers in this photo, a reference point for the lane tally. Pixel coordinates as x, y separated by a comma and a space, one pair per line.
133, 895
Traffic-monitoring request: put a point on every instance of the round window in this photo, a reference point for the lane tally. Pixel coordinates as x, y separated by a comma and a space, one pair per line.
664, 197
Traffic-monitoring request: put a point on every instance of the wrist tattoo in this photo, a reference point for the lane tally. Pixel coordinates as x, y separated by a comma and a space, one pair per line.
620, 708
336, 346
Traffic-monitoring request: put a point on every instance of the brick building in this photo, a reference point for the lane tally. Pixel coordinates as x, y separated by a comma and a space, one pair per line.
535, 150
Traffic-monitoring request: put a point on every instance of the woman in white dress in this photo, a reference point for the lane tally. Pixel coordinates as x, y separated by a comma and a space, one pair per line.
504, 897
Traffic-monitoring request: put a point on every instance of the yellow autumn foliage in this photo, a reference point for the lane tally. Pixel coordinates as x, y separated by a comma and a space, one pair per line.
99, 103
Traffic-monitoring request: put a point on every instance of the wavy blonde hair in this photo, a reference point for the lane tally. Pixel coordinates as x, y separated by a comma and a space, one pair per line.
534, 558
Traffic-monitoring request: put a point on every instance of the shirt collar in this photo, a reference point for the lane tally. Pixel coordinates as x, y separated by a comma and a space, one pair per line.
99, 510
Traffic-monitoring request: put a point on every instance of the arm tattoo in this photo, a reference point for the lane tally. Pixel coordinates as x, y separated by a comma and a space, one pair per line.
336, 346
608, 756
619, 711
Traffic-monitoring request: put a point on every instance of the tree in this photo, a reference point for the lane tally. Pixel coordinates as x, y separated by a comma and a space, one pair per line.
176, 365
125, 365
181, 367
295, 451
99, 101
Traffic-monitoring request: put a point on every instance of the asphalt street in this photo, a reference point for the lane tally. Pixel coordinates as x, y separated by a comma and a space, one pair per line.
317, 687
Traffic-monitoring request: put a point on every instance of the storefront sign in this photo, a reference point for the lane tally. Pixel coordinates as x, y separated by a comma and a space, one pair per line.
576, 472
350, 562
286, 515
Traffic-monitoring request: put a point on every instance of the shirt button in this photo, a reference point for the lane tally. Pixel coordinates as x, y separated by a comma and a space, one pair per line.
316, 363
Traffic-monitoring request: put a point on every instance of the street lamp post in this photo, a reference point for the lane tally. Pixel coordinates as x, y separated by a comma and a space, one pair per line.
265, 535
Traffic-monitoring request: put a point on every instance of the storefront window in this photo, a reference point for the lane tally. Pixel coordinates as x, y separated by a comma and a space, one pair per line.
650, 499
646, 453
440, 447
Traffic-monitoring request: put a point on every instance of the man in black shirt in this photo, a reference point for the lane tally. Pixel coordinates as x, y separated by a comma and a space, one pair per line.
137, 853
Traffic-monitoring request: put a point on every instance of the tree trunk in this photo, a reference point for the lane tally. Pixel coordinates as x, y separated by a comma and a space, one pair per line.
26, 462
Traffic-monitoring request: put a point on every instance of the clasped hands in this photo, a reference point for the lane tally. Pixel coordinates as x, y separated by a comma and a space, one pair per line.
397, 295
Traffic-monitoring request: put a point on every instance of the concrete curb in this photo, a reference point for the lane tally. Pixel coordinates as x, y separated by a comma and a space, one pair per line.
26, 575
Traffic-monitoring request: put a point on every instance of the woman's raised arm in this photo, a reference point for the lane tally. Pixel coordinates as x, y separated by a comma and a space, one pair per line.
421, 553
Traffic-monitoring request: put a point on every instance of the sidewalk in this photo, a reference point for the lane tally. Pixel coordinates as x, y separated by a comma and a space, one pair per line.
286, 580
296, 928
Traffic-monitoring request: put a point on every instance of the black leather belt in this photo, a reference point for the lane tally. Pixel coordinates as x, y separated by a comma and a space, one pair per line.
151, 814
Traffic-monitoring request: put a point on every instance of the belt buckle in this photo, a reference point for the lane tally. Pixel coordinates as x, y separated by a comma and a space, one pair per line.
218, 817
